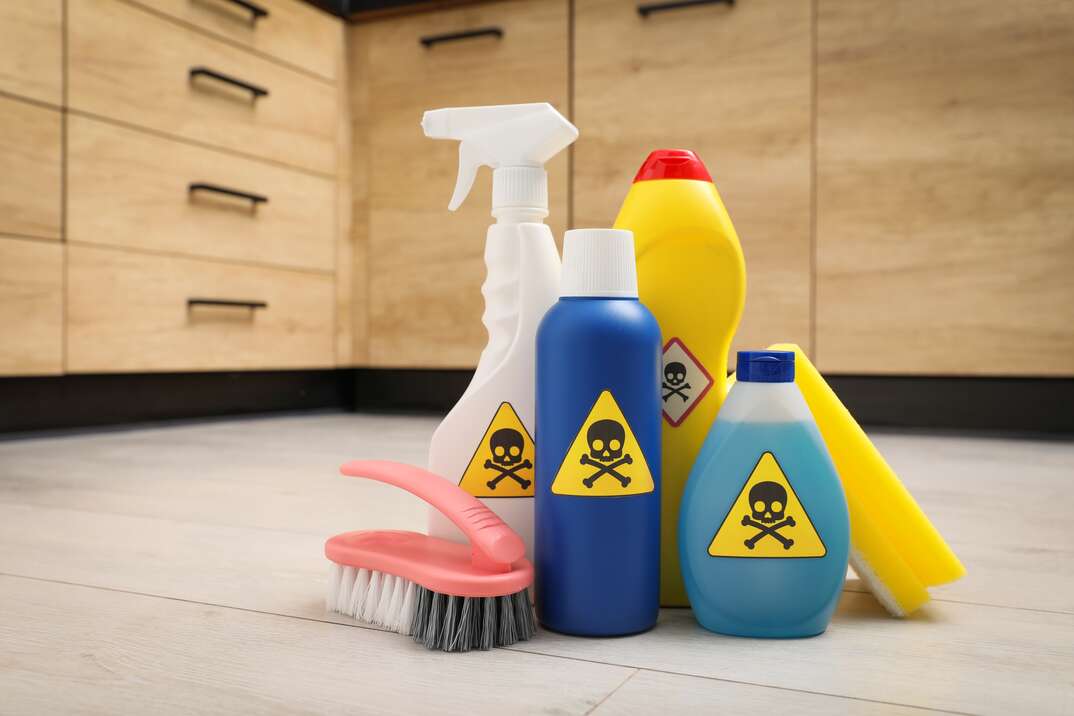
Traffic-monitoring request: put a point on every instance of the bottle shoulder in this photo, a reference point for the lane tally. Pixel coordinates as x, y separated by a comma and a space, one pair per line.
595, 315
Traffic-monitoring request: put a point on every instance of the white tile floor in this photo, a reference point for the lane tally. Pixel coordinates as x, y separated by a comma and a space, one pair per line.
179, 569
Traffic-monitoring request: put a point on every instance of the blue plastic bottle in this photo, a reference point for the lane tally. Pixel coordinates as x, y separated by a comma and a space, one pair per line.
597, 500
763, 526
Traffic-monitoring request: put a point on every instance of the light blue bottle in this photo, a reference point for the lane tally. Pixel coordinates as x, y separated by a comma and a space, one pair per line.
763, 528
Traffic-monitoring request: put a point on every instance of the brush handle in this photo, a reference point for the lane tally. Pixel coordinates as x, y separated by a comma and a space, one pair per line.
495, 545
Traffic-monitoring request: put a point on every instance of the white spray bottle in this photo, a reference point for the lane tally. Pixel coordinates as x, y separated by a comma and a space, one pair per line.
485, 444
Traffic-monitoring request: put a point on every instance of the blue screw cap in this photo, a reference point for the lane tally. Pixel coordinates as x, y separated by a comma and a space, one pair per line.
765, 367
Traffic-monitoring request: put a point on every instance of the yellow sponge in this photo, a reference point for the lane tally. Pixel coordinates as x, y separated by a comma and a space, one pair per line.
893, 546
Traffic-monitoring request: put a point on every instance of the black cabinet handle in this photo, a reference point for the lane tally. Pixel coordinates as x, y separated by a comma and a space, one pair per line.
647, 9
256, 11
252, 305
217, 189
253, 89
430, 40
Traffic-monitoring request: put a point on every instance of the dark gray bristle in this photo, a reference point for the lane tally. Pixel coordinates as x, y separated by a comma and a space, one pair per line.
451, 623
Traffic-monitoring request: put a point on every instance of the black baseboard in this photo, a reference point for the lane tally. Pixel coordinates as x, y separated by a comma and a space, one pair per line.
1041, 405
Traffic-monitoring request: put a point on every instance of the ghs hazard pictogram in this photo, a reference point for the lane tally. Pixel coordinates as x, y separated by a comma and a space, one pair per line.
605, 459
685, 382
502, 464
767, 519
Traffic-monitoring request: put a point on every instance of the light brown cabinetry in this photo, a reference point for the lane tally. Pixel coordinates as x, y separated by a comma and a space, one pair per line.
425, 265
129, 311
289, 31
30, 169
131, 65
945, 187
31, 54
31, 307
133, 189
732, 83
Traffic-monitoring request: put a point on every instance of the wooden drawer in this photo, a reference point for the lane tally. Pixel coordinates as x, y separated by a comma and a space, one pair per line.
732, 83
291, 31
425, 264
128, 188
128, 311
945, 187
30, 169
31, 307
295, 123
31, 49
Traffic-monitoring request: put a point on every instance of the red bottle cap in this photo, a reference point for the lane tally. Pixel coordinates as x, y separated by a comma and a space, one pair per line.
673, 164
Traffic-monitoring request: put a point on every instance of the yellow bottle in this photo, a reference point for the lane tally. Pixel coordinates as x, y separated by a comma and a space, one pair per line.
692, 276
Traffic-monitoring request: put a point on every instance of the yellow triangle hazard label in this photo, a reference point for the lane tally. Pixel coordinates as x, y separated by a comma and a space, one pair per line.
502, 465
767, 519
605, 459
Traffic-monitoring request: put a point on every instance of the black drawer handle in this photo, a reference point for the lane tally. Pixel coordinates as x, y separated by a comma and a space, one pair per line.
430, 40
252, 305
253, 89
256, 11
647, 9
217, 189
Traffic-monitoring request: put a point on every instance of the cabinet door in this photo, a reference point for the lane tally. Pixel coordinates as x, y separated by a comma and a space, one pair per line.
732, 83
31, 307
425, 265
31, 49
945, 187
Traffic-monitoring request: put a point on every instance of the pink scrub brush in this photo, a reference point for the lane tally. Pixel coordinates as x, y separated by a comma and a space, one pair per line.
449, 596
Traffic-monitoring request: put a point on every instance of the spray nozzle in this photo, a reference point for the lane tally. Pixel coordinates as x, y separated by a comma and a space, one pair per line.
502, 136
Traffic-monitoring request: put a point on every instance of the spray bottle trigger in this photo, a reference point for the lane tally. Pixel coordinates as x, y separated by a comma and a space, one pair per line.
469, 162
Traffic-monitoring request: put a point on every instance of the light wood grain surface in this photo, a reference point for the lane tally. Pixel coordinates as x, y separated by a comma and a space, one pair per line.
127, 311
425, 265
31, 50
945, 187
31, 159
31, 307
732, 83
181, 566
294, 124
129, 189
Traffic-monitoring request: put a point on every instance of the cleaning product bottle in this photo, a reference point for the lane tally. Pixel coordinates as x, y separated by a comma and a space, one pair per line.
485, 444
692, 277
598, 450
763, 529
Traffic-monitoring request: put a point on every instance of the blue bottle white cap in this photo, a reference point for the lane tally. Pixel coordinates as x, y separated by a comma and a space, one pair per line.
599, 263
765, 367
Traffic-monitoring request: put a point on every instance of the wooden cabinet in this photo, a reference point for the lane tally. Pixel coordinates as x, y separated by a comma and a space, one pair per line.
128, 311
425, 265
133, 189
945, 187
30, 169
732, 83
128, 64
31, 307
31, 49
291, 31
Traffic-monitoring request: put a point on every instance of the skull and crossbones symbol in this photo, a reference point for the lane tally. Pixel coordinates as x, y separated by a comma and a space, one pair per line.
675, 381
606, 438
506, 446
768, 501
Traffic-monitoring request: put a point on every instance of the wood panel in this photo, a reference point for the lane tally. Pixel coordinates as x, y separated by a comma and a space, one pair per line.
31, 149
945, 194
293, 31
127, 311
129, 188
425, 265
31, 307
732, 83
294, 124
31, 50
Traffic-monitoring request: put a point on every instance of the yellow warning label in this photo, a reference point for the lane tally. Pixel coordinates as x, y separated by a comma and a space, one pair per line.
767, 519
605, 459
502, 465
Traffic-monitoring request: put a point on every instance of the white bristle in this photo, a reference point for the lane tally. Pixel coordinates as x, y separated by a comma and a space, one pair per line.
395, 607
384, 599
361, 587
346, 584
369, 607
406, 612
331, 598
